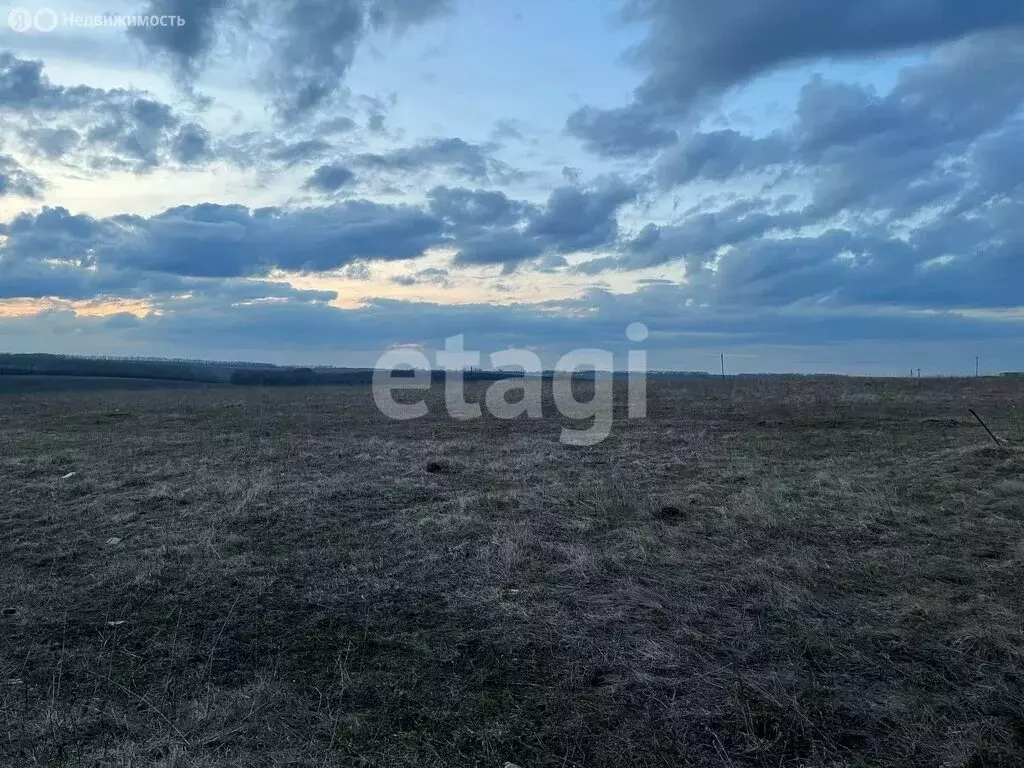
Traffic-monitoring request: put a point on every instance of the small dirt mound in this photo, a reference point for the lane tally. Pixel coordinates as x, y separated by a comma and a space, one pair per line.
442, 467
670, 514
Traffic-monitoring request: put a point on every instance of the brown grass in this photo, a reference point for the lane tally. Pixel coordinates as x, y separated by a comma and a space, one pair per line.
801, 573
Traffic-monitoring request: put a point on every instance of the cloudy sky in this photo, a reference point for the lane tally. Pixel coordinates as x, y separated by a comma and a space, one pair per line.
804, 185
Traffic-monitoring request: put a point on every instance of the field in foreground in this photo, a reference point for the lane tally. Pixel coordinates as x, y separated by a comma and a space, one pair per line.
819, 573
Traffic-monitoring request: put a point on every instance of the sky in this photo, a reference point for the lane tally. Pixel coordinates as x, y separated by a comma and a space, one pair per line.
802, 185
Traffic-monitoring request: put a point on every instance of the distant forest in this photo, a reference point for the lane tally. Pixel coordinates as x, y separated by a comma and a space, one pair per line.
243, 374
264, 374
122, 368
198, 371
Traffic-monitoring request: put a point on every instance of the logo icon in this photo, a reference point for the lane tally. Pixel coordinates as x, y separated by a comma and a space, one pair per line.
45, 20
23, 20
20, 19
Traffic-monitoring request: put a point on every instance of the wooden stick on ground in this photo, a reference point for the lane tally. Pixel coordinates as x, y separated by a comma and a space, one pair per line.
994, 438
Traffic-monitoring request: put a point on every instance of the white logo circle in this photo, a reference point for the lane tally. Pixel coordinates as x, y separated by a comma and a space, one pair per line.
45, 19
19, 19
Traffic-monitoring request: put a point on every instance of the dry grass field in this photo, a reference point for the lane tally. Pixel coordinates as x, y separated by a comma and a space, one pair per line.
762, 573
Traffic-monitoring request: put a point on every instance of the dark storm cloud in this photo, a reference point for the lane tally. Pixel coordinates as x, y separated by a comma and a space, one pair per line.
908, 198
57, 255
210, 240
316, 41
692, 46
871, 150
315, 45
312, 42
761, 260
18, 181
475, 207
187, 45
506, 247
491, 229
192, 144
61, 281
118, 128
330, 178
121, 129
719, 155
230, 240
620, 132
577, 219
896, 152
970, 263
233, 241
53, 233
138, 130
693, 49
39, 280
901, 151
24, 86
694, 241
457, 156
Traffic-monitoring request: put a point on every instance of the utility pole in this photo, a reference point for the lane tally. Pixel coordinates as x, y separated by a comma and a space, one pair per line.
723, 366
977, 367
